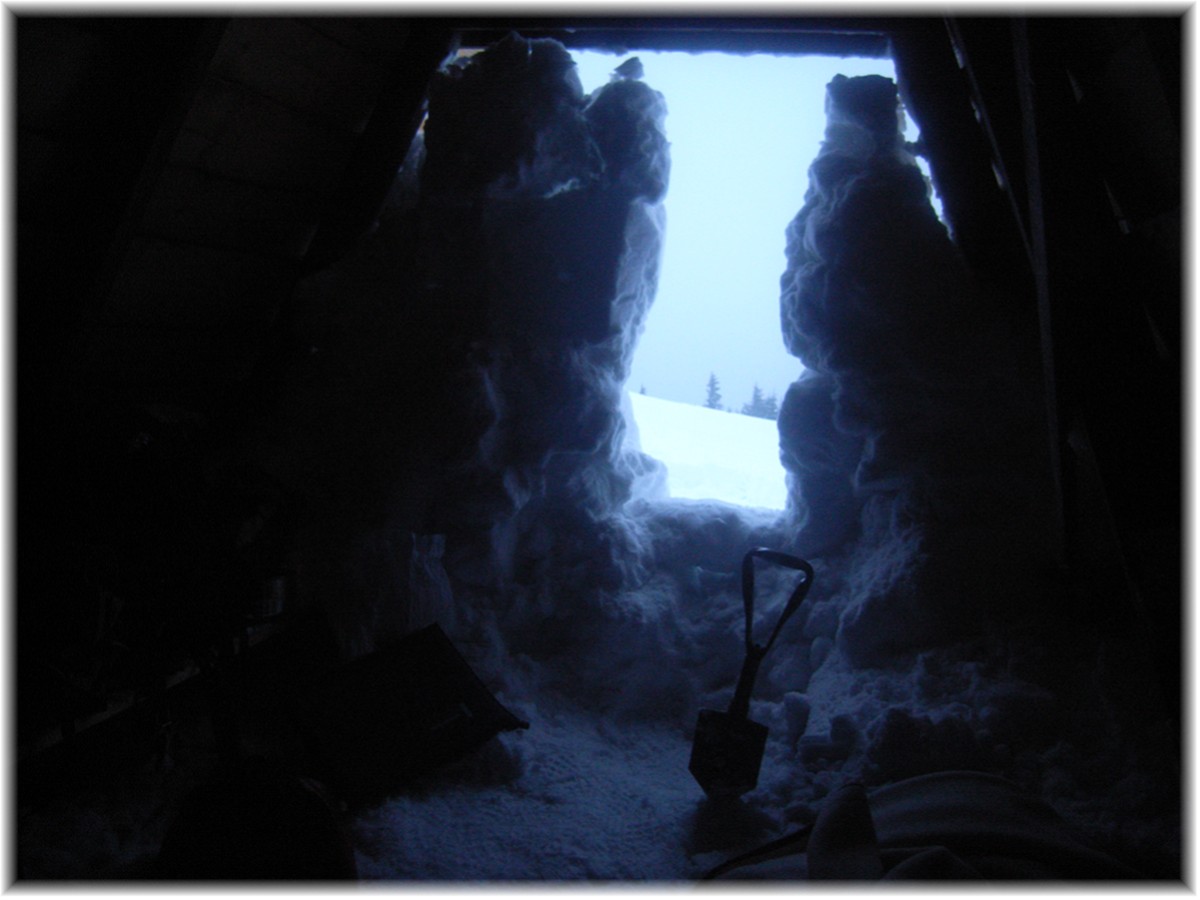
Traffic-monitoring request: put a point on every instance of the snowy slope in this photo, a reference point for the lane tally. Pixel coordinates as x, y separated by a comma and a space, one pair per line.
711, 454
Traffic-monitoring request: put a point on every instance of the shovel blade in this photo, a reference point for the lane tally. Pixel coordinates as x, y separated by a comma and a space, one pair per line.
727, 753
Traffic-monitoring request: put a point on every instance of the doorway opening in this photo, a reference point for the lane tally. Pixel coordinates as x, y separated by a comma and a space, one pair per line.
710, 368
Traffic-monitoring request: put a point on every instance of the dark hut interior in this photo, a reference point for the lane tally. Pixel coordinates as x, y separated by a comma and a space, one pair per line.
275, 402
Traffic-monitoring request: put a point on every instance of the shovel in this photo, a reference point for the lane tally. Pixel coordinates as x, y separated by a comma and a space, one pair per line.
727, 749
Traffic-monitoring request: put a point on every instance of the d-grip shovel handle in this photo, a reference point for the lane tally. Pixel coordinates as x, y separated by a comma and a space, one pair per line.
740, 706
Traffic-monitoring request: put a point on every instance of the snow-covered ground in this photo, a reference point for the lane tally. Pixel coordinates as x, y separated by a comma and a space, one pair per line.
712, 454
592, 800
598, 788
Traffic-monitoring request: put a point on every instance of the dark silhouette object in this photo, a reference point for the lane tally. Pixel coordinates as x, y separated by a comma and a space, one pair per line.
725, 824
727, 749
941, 826
261, 823
391, 717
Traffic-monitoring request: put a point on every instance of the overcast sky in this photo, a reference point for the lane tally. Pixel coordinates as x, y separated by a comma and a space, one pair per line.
743, 130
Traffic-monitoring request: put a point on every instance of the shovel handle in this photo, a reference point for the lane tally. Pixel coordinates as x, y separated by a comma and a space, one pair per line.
794, 601
740, 706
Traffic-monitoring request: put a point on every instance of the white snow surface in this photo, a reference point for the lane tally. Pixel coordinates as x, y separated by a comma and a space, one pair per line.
594, 801
598, 788
712, 454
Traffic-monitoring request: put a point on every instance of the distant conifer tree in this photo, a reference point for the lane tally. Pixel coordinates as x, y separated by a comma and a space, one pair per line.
754, 407
771, 408
760, 406
713, 401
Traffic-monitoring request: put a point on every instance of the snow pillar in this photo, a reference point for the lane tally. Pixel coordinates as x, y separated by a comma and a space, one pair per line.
541, 229
911, 443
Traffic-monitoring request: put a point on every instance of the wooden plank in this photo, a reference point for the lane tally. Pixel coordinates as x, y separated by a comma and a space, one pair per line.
377, 38
301, 69
177, 286
233, 131
198, 207
189, 367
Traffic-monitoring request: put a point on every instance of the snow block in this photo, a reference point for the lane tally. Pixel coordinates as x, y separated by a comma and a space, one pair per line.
820, 460
554, 264
467, 358
912, 443
508, 119
542, 213
626, 121
796, 711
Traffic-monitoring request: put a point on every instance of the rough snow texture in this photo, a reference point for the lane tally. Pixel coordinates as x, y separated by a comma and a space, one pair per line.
544, 219
465, 378
567, 801
912, 431
462, 370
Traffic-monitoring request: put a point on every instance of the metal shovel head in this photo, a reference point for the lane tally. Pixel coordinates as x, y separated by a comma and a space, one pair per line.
727, 752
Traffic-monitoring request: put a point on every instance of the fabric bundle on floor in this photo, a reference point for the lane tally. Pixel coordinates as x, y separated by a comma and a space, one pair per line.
941, 826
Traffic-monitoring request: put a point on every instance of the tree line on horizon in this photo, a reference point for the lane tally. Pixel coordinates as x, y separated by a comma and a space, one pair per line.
760, 405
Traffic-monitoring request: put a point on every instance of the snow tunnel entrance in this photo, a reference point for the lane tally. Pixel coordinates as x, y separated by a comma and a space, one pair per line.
710, 367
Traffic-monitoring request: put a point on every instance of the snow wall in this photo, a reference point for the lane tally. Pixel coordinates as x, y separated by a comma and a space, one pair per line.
544, 227
466, 379
465, 365
454, 409
913, 443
